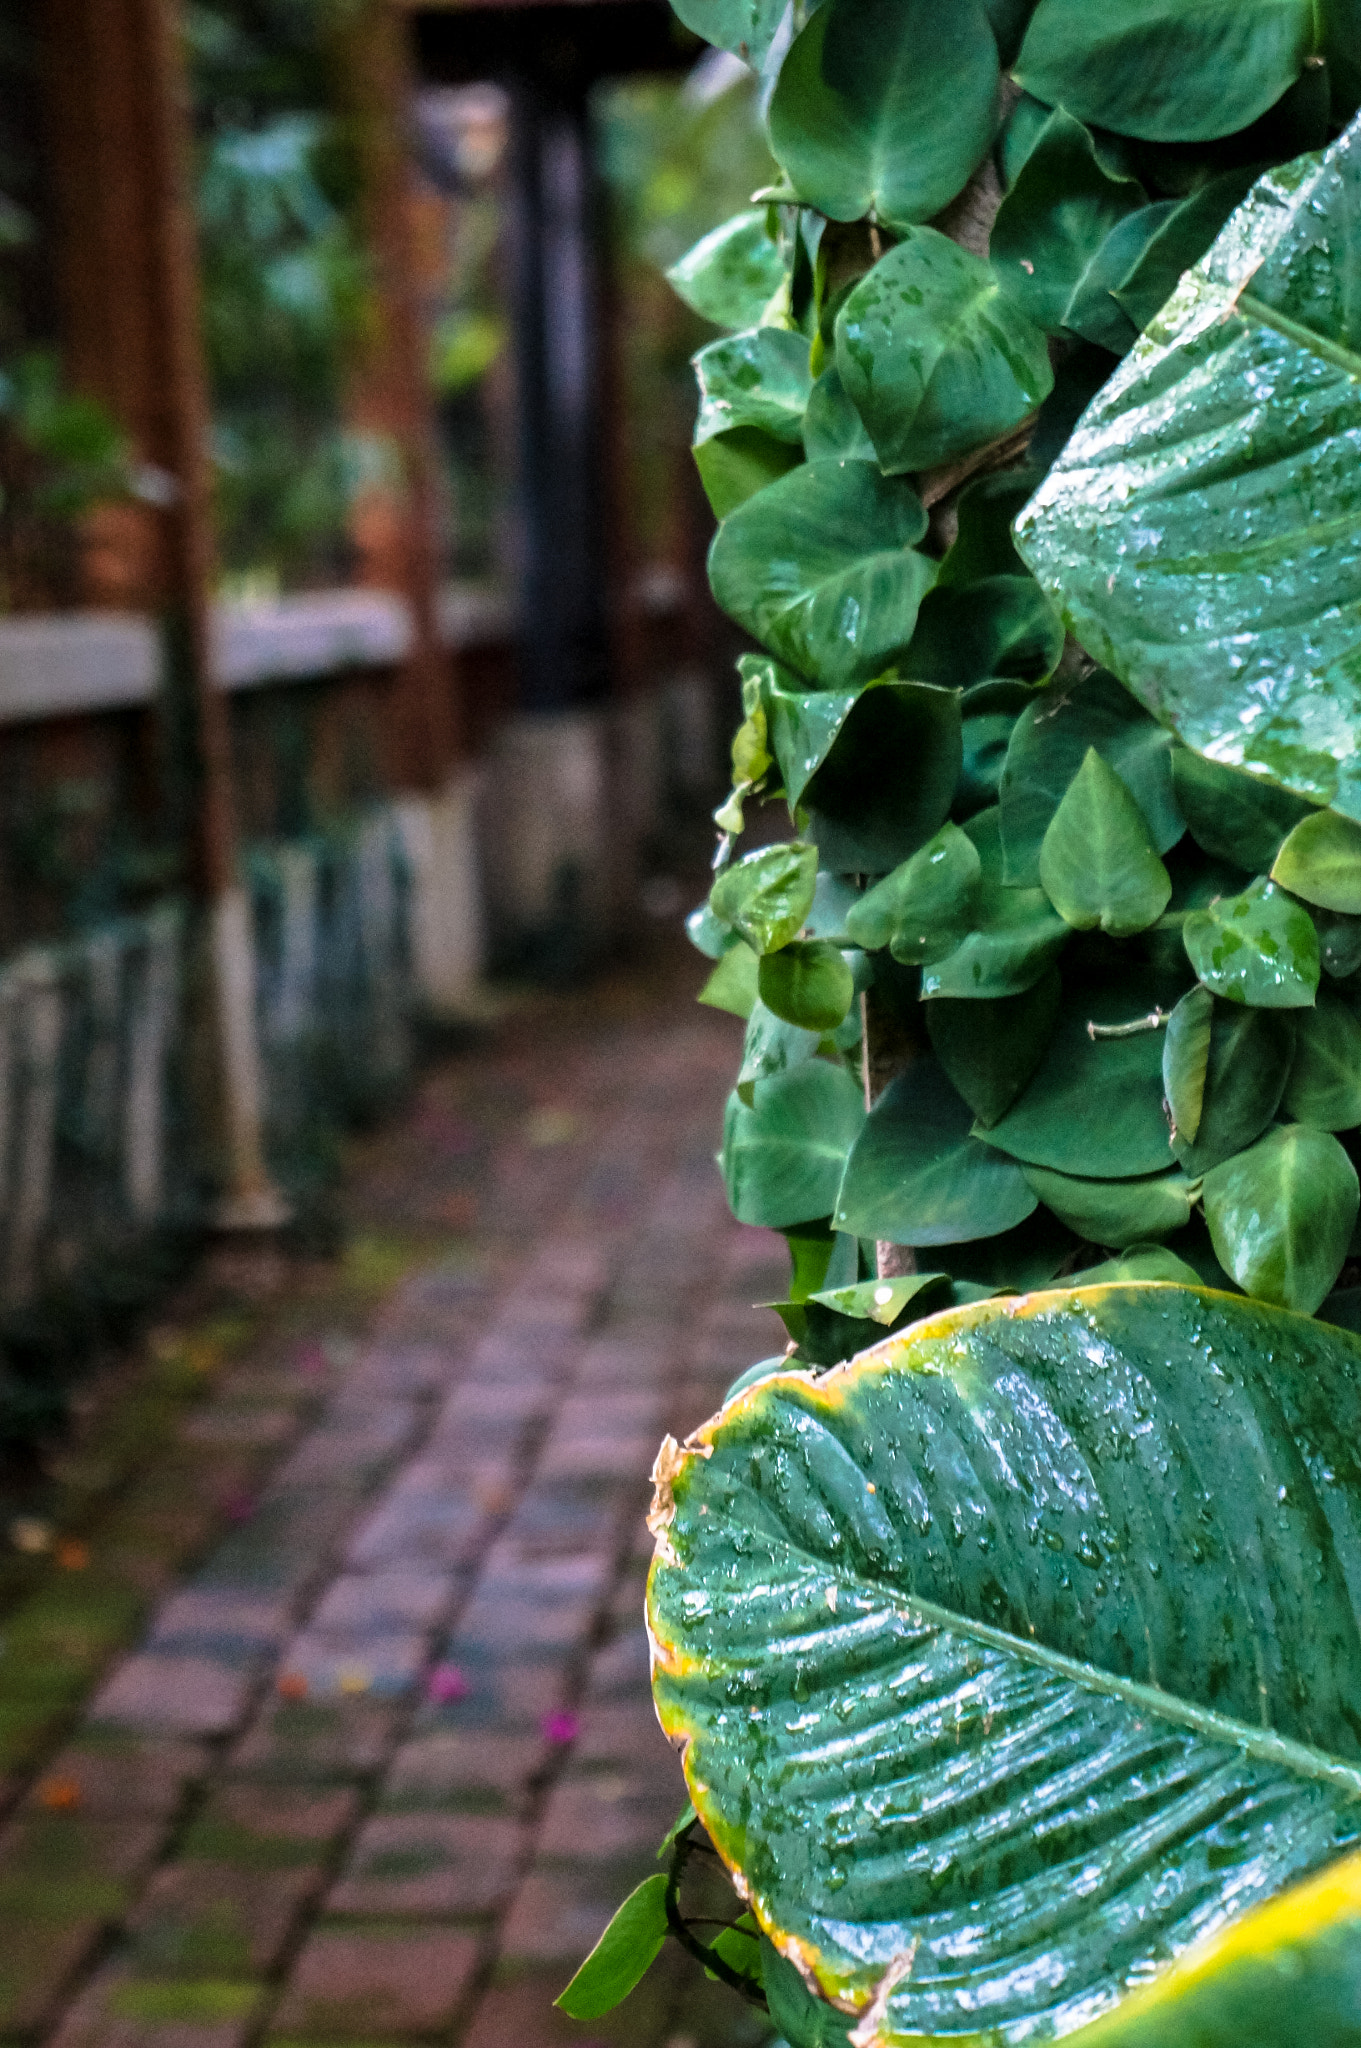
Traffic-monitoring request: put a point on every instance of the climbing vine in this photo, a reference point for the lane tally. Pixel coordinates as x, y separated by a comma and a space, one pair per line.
1032, 439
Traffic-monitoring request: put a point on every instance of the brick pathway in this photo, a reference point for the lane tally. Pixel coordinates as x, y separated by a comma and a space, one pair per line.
382, 1762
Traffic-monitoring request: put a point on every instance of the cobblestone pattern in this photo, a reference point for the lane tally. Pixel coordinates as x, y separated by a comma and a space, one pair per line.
380, 1769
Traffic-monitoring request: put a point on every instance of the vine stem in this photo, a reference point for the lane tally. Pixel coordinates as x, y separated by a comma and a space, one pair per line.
1154, 1021
679, 1926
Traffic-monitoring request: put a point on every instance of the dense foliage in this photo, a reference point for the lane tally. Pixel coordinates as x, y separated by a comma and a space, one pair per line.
1020, 1656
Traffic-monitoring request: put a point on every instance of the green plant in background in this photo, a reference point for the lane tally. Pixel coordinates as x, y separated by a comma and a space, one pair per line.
61, 454
285, 287
1016, 1657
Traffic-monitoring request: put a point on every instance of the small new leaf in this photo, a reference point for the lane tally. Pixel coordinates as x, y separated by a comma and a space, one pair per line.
807, 984
767, 896
925, 907
1098, 866
623, 1955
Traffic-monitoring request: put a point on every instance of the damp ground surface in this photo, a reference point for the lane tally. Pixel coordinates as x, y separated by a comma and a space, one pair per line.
324, 1713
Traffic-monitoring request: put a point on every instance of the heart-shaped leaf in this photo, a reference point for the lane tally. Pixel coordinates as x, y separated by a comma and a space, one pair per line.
1259, 947
783, 1157
756, 379
1281, 1215
1164, 71
1049, 745
807, 983
1214, 568
732, 985
985, 1725
1094, 1108
990, 1050
989, 713
880, 1301
1235, 817
1179, 233
1321, 861
1097, 863
731, 276
623, 1955
1242, 1082
1016, 937
935, 357
1051, 226
886, 783
1116, 1212
916, 1176
767, 896
821, 566
886, 107
746, 27
1324, 1088
924, 908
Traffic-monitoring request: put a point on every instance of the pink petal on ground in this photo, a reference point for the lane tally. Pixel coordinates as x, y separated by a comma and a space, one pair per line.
560, 1728
447, 1683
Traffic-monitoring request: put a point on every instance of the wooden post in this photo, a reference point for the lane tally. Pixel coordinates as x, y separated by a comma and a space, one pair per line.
128, 286
397, 524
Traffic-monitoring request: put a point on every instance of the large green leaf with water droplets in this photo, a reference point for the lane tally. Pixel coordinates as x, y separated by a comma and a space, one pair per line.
1019, 1653
822, 567
886, 107
1201, 532
1167, 70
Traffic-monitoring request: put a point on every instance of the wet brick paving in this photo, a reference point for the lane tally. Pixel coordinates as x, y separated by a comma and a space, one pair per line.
382, 1757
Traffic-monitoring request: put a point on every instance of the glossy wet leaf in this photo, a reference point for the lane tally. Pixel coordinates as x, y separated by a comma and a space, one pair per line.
831, 424
1017, 935
1281, 1215
924, 908
807, 983
767, 895
1288, 1972
623, 1955
1002, 627
1094, 1108
1052, 224
1249, 1063
822, 568
782, 1158
1339, 940
959, 1685
1205, 548
1097, 863
1048, 746
880, 1301
1165, 71
1257, 947
1186, 1060
1235, 817
733, 273
991, 1050
916, 1176
732, 985
756, 379
886, 783
935, 357
734, 466
1324, 1088
771, 1046
1116, 1212
1321, 861
886, 107
707, 935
